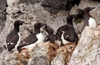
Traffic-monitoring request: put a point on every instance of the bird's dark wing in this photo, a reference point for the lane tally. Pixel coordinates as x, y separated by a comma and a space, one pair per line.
12, 37
21, 45
12, 40
27, 41
76, 38
72, 36
30, 39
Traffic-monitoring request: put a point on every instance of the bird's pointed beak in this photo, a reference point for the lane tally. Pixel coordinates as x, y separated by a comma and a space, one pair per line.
75, 15
21, 22
25, 23
43, 24
92, 8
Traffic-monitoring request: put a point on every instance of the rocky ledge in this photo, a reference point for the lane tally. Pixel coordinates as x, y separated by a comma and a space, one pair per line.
85, 53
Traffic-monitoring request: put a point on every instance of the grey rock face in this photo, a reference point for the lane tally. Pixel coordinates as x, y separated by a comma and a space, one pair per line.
2, 9
39, 55
41, 60
54, 6
2, 14
87, 50
58, 60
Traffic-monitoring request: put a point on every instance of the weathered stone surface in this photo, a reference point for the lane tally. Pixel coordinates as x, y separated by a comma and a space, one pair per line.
2, 14
40, 60
39, 55
87, 50
58, 60
62, 55
2, 9
54, 6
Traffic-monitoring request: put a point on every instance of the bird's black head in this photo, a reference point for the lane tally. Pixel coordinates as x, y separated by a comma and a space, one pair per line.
37, 27
87, 9
48, 29
52, 38
70, 18
18, 22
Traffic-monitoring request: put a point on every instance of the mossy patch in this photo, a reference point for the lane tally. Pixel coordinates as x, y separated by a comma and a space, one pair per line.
79, 20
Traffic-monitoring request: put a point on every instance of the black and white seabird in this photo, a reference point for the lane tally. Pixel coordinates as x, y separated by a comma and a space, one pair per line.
30, 41
13, 38
69, 36
88, 19
68, 26
67, 32
51, 37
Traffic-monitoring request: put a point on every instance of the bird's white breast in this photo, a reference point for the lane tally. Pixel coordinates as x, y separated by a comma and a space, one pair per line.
18, 41
63, 40
92, 22
40, 37
11, 2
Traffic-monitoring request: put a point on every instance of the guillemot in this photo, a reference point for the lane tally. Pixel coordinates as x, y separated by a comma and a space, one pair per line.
67, 32
66, 27
13, 38
88, 19
51, 37
36, 37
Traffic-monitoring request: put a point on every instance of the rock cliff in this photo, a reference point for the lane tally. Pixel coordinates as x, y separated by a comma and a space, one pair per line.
54, 15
